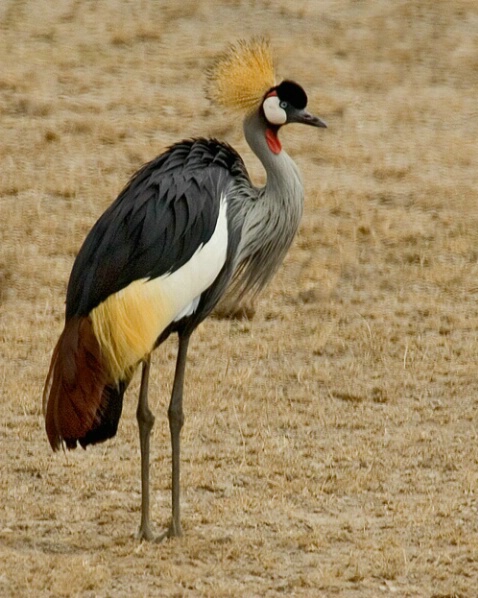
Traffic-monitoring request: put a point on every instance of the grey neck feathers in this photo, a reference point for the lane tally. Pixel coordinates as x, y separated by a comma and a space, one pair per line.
269, 216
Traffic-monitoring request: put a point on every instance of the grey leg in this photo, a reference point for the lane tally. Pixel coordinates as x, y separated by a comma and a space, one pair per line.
176, 420
145, 423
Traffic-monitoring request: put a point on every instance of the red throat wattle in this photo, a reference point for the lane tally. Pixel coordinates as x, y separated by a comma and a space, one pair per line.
273, 141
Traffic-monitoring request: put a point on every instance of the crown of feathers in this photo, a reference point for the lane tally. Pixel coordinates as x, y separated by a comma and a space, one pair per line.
242, 75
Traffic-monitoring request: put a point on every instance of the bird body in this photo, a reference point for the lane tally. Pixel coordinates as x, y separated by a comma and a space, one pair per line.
142, 268
187, 228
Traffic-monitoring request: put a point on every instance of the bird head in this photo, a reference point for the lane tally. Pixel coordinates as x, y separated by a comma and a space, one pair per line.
283, 104
243, 79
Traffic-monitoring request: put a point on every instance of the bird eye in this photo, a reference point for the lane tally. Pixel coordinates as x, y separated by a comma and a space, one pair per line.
283, 105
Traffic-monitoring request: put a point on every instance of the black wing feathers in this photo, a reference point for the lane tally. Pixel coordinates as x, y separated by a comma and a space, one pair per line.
167, 210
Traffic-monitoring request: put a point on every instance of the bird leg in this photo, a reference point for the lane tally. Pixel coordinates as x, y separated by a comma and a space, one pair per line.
176, 420
145, 423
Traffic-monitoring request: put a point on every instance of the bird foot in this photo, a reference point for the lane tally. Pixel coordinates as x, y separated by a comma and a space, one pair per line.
145, 534
174, 530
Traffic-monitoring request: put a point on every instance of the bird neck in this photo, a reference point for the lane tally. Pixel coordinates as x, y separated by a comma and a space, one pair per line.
269, 217
283, 178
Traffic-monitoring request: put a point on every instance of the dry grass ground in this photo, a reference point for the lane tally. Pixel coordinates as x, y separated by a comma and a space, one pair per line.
330, 445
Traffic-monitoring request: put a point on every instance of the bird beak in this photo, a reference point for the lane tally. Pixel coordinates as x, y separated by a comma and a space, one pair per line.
306, 118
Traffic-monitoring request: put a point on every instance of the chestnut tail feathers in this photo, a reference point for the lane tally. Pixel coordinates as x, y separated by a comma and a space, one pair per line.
80, 401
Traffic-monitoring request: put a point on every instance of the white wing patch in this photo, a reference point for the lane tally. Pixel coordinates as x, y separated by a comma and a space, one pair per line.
184, 286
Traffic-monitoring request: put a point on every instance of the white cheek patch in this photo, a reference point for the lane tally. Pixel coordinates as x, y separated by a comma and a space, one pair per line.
274, 113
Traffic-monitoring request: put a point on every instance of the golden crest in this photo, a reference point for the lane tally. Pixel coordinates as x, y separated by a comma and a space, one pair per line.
242, 75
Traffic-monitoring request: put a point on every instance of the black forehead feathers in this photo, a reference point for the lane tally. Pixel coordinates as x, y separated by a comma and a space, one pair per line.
292, 93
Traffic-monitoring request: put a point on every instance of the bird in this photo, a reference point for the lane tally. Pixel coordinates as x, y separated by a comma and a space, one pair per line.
188, 228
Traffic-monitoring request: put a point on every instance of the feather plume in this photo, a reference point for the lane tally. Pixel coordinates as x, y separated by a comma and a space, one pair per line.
242, 75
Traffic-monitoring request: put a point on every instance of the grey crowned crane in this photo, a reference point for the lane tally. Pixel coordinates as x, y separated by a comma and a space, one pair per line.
188, 227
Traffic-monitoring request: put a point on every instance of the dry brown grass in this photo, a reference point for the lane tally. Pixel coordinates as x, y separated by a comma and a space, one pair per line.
330, 446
